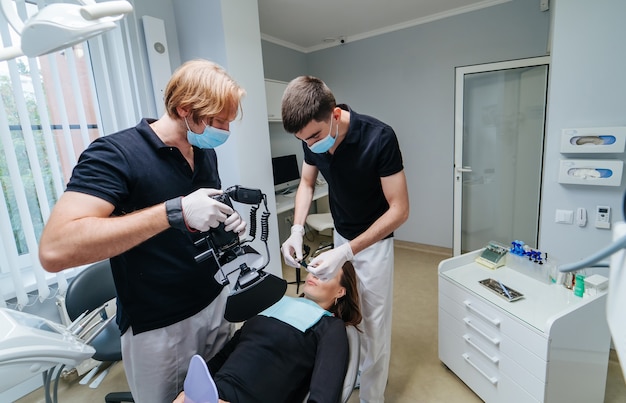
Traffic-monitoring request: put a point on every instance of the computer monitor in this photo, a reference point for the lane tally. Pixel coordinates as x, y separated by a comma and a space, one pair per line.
286, 173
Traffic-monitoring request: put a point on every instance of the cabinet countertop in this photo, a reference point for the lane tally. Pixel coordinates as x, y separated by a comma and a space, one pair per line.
542, 303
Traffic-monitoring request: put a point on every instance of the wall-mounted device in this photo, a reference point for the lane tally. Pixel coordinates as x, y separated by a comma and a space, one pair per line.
593, 140
158, 58
581, 216
603, 217
591, 172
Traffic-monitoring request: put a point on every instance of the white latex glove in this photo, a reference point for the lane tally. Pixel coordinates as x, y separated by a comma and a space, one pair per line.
327, 264
202, 212
235, 223
292, 245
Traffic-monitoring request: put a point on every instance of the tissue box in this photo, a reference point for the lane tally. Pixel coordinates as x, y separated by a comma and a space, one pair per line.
595, 284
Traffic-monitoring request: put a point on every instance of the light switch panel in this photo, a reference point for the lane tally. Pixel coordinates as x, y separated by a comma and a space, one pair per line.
564, 217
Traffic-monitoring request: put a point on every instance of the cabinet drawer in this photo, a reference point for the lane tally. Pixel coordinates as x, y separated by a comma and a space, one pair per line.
513, 369
452, 354
484, 378
468, 328
471, 343
526, 368
489, 314
492, 342
527, 360
510, 391
495, 322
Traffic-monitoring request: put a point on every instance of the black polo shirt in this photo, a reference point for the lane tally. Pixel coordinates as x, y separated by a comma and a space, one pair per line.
158, 282
369, 152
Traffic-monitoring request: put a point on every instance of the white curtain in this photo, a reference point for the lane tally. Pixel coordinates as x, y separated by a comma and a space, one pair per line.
50, 110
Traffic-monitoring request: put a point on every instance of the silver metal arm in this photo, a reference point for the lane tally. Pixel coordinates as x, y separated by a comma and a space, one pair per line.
592, 261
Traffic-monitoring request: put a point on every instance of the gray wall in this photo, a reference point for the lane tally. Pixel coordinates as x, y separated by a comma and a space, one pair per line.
587, 89
283, 64
228, 32
406, 78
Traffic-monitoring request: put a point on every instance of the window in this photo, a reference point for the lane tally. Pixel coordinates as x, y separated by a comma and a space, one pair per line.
50, 111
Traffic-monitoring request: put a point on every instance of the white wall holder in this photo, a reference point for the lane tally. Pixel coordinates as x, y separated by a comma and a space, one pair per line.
591, 172
593, 140
158, 58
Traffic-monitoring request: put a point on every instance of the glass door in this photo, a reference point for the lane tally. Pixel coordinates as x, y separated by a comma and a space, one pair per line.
499, 136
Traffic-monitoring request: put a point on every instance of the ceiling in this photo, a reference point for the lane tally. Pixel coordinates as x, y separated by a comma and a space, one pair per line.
309, 25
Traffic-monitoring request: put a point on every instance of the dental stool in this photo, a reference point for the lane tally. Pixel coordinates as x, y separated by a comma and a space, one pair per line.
324, 225
306, 251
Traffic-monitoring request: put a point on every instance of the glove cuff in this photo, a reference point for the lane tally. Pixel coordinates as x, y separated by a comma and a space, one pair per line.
297, 228
174, 211
349, 254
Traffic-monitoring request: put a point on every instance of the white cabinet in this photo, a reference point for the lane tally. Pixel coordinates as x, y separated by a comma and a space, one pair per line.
274, 94
550, 346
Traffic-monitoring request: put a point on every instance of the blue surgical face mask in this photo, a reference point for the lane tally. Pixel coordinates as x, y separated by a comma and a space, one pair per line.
325, 144
211, 137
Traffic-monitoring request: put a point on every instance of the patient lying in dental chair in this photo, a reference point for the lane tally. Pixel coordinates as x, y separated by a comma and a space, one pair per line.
295, 347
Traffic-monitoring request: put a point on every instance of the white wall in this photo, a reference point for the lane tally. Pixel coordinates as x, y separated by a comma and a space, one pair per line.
406, 78
587, 89
164, 10
228, 33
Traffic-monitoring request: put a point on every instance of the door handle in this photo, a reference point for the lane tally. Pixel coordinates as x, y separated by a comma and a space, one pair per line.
464, 169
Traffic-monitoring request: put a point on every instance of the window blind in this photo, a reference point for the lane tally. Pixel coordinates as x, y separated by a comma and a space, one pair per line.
50, 111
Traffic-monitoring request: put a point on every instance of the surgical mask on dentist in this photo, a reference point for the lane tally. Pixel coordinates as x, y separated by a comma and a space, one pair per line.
211, 137
327, 142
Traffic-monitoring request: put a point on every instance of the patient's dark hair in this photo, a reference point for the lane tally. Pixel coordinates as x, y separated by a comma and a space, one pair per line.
348, 307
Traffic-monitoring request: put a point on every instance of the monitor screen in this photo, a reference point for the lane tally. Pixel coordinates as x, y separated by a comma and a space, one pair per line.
286, 173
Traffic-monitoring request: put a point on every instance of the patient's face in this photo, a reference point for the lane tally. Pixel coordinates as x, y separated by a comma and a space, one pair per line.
323, 292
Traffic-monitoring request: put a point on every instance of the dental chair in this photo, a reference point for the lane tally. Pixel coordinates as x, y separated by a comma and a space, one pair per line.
199, 385
89, 290
352, 371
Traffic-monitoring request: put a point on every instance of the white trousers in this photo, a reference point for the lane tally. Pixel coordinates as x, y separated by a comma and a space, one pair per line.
374, 269
156, 361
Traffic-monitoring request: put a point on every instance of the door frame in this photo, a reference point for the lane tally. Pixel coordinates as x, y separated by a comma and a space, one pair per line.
458, 168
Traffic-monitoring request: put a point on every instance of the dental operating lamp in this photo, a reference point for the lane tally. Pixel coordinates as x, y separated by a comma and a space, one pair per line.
60, 25
31, 345
254, 289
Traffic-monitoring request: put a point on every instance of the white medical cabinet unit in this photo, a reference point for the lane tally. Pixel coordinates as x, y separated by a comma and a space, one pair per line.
549, 346
274, 94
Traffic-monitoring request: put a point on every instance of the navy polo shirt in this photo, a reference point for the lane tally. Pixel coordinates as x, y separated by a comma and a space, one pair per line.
369, 151
158, 282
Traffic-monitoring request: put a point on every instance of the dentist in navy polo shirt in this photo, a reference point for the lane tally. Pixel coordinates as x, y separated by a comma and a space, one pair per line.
141, 197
